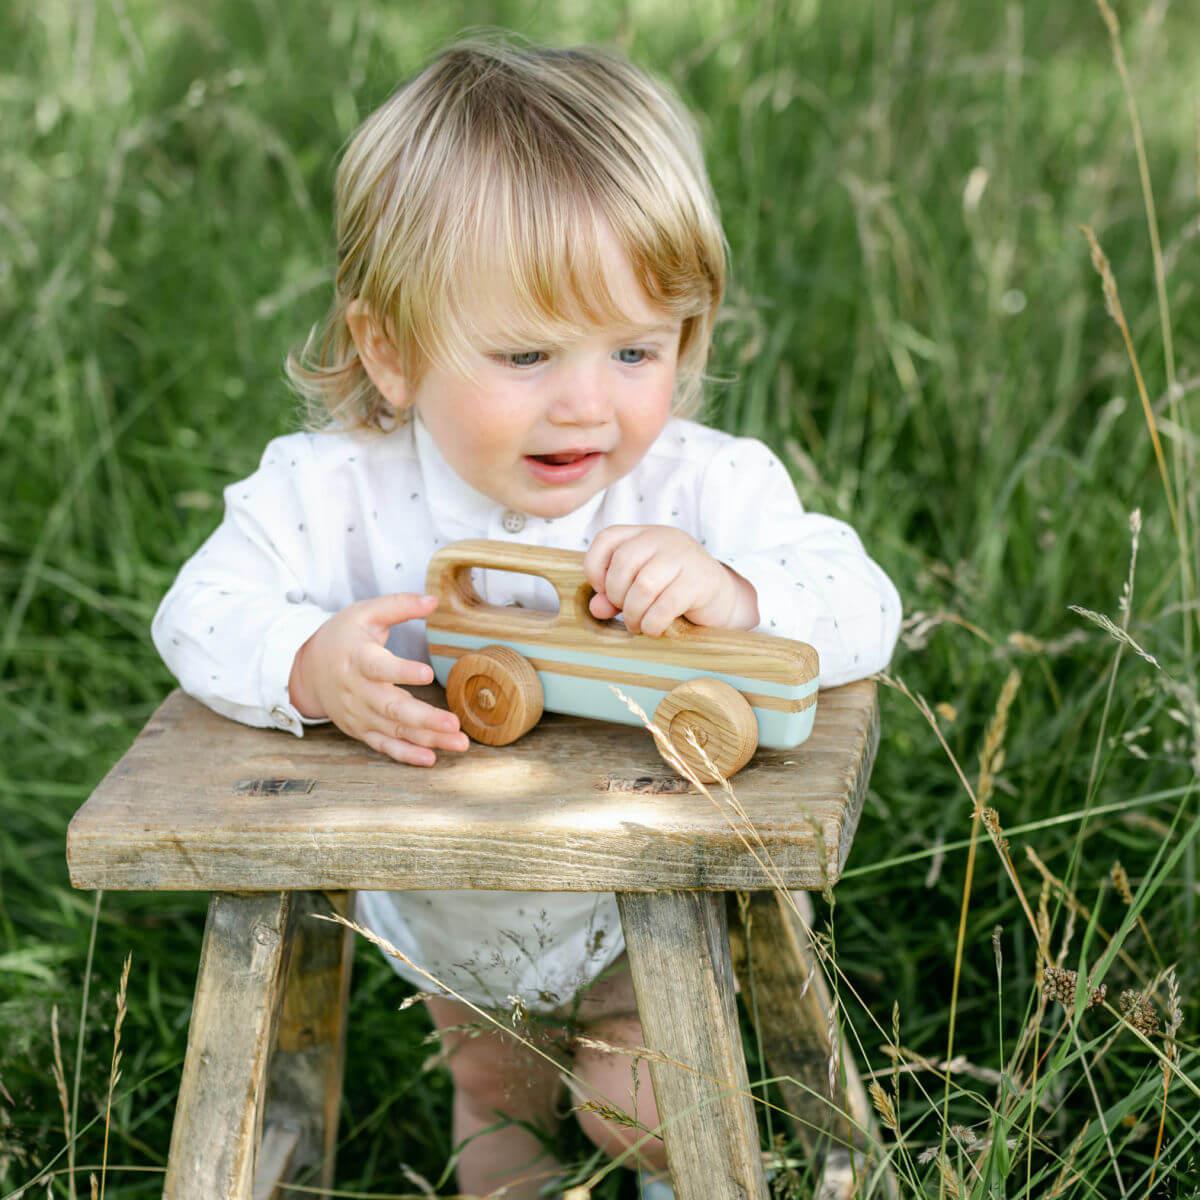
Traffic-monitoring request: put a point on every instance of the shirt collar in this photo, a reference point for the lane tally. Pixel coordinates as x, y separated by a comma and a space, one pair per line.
452, 499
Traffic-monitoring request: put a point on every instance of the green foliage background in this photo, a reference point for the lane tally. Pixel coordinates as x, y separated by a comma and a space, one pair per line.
913, 322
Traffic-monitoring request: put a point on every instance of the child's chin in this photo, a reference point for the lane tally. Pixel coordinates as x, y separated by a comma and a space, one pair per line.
561, 505
559, 501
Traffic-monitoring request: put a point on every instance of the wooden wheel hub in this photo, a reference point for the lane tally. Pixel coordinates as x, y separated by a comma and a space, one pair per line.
718, 716
496, 695
683, 723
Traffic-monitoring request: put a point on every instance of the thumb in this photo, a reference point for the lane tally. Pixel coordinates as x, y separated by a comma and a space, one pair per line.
381, 613
602, 608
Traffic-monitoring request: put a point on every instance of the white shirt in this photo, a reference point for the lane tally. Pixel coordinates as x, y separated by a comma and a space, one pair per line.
334, 517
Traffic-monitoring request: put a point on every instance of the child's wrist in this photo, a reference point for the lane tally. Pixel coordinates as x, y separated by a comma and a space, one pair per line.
300, 691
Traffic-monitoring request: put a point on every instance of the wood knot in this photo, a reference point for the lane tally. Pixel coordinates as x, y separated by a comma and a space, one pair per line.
264, 935
655, 785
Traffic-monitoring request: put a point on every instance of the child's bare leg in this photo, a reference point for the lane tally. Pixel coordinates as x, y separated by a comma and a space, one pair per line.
496, 1077
608, 1013
612, 1076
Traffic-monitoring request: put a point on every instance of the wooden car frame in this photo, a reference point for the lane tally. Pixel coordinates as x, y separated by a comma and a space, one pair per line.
502, 667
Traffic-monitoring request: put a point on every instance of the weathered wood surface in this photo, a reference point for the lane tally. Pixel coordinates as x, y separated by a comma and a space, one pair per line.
218, 1116
678, 945
785, 990
305, 1085
787, 993
575, 805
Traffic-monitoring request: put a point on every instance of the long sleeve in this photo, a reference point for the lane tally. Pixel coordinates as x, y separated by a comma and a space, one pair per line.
241, 606
814, 580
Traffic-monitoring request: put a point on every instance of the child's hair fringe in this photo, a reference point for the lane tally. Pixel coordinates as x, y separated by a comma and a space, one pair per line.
503, 161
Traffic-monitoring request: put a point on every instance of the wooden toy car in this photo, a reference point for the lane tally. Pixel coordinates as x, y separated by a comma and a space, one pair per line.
502, 667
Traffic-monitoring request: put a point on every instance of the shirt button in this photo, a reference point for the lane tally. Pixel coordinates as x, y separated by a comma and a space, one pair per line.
513, 521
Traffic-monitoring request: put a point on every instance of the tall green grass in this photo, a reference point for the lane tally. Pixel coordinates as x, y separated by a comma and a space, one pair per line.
914, 320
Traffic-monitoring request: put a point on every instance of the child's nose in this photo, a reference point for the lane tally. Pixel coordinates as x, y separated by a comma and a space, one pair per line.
582, 399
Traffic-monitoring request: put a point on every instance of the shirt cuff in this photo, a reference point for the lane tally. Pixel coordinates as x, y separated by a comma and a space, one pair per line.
280, 646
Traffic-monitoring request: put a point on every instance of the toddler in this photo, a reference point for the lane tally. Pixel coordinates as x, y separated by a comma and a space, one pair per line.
529, 264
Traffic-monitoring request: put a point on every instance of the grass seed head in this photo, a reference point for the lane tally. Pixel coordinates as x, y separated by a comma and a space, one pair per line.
964, 1135
518, 1011
884, 1107
1138, 1010
1174, 1015
1061, 984
991, 821
1121, 882
951, 1181
609, 1113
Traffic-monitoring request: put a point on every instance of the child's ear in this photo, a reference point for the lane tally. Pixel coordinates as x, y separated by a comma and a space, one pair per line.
377, 355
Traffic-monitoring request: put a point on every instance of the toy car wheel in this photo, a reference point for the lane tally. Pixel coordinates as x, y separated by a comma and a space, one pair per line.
496, 695
720, 717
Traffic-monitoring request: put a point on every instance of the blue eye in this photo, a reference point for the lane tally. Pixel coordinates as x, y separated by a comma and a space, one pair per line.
521, 358
646, 355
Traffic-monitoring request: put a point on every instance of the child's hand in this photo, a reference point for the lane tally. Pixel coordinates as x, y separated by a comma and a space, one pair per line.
655, 573
345, 672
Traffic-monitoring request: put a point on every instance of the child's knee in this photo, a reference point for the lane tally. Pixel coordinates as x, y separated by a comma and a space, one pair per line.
614, 1139
493, 1076
492, 1072
623, 1082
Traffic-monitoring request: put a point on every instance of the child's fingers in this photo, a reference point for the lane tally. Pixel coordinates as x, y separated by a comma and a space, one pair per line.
648, 585
599, 554
673, 601
395, 708
378, 663
630, 562
382, 612
435, 739
441, 736
399, 749
601, 607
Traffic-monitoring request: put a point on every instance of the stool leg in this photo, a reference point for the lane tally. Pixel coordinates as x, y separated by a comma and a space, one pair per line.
219, 1110
794, 1005
305, 1088
678, 946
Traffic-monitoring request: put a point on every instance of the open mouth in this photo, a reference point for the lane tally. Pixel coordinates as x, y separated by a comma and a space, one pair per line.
563, 468
560, 460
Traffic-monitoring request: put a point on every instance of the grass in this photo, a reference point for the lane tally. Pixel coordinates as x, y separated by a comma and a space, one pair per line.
915, 321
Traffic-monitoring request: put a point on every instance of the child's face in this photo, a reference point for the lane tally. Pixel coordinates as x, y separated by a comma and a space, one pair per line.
609, 393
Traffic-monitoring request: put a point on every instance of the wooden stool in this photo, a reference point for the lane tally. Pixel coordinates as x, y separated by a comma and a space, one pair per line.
278, 827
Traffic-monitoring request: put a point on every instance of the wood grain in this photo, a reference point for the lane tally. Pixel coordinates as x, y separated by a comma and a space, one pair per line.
678, 947
218, 1116
304, 1091
720, 720
496, 695
625, 679
196, 803
462, 610
776, 968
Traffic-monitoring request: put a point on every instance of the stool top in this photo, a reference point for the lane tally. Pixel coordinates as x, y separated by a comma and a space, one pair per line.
201, 802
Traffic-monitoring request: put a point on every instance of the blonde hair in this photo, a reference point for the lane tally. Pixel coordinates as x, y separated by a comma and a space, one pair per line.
500, 161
